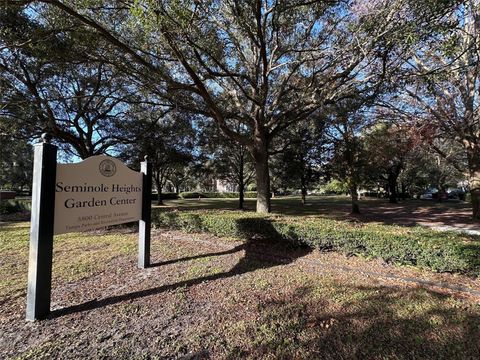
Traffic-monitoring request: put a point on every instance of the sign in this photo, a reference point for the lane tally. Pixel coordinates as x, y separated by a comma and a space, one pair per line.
97, 192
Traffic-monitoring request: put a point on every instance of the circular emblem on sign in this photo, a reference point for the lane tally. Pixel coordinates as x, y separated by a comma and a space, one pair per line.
107, 168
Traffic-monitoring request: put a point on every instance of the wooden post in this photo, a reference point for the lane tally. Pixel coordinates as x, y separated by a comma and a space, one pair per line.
145, 222
41, 230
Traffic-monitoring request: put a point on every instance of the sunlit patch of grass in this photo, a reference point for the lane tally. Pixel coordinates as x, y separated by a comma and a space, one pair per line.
328, 317
203, 267
75, 255
43, 350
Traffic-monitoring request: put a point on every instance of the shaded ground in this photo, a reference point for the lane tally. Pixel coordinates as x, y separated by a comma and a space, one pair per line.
211, 298
450, 215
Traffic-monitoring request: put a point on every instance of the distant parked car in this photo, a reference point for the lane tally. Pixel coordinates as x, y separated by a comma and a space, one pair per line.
426, 196
457, 194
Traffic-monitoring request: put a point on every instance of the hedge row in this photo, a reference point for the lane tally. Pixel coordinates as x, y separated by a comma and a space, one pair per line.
230, 195
196, 195
439, 251
165, 196
14, 206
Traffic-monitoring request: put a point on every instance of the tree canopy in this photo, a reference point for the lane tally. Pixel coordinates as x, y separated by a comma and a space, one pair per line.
298, 87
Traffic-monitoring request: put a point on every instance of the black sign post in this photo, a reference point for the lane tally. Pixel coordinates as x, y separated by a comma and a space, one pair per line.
41, 230
145, 222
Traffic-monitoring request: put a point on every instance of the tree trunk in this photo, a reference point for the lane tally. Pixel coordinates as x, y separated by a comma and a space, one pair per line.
392, 187
260, 157
304, 191
442, 191
263, 185
474, 180
241, 184
393, 174
158, 184
354, 195
404, 191
475, 194
241, 196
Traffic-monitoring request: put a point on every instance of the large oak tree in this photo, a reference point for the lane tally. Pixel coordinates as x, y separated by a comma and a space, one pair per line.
265, 64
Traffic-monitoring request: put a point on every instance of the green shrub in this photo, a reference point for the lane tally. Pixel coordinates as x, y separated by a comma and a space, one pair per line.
439, 251
14, 206
335, 187
165, 196
190, 195
227, 195
7, 208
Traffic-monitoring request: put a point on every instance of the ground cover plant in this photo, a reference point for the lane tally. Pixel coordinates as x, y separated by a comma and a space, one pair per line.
438, 251
217, 298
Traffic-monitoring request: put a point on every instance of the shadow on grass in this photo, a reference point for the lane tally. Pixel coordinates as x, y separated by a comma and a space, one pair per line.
365, 322
189, 258
251, 261
13, 225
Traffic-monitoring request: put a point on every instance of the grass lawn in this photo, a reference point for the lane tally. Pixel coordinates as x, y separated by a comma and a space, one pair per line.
408, 212
73, 258
290, 205
216, 298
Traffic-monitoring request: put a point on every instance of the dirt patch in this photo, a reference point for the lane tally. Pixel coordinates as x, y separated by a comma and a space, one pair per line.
209, 298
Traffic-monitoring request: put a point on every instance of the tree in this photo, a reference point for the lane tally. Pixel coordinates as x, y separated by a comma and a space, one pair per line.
440, 92
299, 165
428, 169
388, 147
335, 186
265, 64
16, 163
53, 79
231, 161
180, 174
348, 120
168, 145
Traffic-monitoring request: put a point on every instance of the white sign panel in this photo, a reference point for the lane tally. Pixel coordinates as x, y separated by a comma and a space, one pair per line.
97, 192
